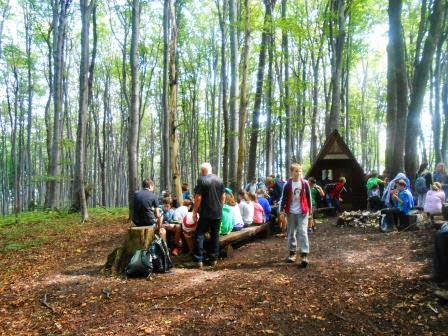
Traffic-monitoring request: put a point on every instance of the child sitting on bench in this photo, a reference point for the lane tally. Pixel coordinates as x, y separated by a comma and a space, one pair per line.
247, 210
170, 225
259, 216
230, 201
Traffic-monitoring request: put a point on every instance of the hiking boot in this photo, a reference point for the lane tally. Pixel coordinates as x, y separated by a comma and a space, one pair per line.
292, 257
304, 261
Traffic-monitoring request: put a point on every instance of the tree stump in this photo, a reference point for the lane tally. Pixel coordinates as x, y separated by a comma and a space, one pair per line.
138, 238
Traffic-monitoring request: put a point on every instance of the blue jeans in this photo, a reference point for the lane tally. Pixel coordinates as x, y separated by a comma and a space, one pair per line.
298, 226
205, 225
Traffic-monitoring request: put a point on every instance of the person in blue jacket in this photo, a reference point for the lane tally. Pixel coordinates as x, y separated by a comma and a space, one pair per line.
264, 203
402, 202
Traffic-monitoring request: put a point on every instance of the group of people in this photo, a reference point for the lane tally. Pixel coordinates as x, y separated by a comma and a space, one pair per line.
213, 208
396, 198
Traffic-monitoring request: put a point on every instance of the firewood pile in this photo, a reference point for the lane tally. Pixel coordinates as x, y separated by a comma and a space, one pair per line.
362, 219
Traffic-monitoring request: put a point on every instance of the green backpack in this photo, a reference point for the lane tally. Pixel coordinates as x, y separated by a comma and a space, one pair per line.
140, 264
227, 221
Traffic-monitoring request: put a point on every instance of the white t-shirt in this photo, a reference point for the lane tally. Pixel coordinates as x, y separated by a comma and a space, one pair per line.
237, 214
180, 213
247, 211
296, 208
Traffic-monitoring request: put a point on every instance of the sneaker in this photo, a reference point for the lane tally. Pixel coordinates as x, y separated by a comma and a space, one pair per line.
304, 262
292, 257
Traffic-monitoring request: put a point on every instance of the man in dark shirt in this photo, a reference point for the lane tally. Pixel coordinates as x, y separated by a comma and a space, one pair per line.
145, 210
208, 201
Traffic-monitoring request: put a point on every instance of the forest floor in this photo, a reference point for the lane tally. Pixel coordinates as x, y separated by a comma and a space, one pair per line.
359, 282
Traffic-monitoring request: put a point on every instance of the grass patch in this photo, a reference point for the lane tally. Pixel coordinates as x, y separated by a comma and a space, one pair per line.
33, 229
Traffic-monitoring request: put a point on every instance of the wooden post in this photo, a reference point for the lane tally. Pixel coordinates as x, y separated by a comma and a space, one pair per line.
138, 238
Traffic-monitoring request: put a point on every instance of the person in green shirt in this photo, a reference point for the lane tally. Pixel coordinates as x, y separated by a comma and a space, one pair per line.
317, 193
373, 181
227, 220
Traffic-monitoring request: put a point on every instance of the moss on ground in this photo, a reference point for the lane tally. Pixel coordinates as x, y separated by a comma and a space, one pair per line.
33, 229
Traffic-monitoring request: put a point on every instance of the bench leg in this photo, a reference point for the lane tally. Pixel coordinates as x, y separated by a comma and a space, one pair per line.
229, 250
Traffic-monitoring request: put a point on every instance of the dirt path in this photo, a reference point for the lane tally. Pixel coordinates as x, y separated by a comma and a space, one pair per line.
359, 283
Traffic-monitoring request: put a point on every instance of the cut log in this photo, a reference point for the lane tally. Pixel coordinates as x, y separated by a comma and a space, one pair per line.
137, 238
418, 220
244, 234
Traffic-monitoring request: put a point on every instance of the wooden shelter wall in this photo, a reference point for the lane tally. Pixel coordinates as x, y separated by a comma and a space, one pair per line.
356, 197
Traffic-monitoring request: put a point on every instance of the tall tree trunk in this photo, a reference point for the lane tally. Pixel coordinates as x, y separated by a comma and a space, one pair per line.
269, 96
222, 13
135, 105
79, 195
243, 98
173, 102
285, 52
233, 115
419, 83
30, 89
60, 9
258, 95
337, 41
166, 172
445, 114
397, 90
313, 144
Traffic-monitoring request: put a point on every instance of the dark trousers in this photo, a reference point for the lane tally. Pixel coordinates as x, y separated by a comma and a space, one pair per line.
336, 204
376, 203
396, 217
441, 255
205, 225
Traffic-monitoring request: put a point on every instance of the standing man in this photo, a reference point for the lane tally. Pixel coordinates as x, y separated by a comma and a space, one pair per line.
145, 211
208, 202
296, 204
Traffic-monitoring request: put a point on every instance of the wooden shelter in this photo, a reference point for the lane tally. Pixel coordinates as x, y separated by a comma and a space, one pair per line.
335, 160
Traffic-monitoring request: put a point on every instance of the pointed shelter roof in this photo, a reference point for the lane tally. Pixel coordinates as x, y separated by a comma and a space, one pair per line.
335, 148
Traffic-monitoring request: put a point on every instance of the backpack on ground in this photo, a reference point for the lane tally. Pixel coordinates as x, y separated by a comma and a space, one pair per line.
160, 254
140, 264
385, 225
420, 185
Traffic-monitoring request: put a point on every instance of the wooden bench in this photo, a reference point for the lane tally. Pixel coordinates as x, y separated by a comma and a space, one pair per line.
233, 239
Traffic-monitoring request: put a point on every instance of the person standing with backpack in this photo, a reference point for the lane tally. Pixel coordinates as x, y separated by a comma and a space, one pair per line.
423, 184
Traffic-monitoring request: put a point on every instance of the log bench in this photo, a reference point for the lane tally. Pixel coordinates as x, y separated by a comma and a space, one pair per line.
236, 238
137, 238
140, 238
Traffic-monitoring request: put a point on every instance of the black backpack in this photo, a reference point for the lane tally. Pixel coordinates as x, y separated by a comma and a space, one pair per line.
160, 255
140, 265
